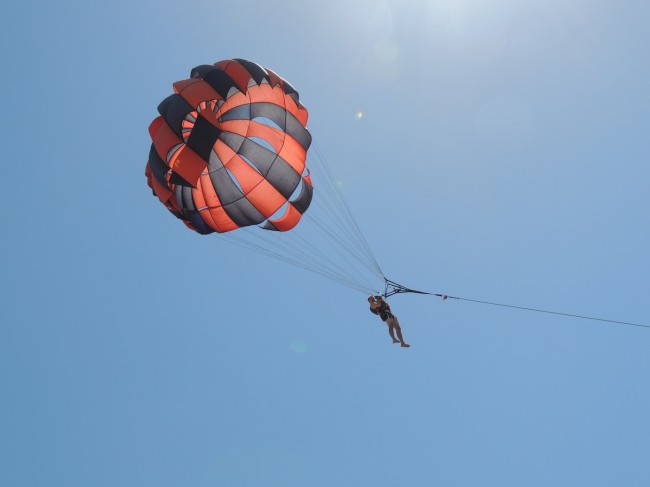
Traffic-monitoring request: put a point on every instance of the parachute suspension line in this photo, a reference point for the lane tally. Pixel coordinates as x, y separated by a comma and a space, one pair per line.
352, 264
246, 243
283, 247
348, 219
290, 252
330, 233
328, 218
537, 310
353, 227
324, 220
334, 219
320, 259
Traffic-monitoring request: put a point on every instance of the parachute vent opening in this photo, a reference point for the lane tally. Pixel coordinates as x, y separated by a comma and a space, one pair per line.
250, 163
280, 212
296, 192
264, 143
234, 180
268, 122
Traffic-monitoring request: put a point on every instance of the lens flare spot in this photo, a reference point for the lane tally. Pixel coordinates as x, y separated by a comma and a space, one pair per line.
298, 346
358, 115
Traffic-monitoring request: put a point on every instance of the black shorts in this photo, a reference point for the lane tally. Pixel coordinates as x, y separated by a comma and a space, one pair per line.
385, 315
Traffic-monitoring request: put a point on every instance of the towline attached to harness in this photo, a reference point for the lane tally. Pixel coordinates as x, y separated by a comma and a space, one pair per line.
392, 288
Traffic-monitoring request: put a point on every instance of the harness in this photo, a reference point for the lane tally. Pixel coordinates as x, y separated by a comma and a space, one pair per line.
383, 311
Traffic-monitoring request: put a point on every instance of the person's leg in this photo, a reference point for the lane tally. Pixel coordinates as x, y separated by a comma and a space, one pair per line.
391, 332
388, 319
391, 328
398, 329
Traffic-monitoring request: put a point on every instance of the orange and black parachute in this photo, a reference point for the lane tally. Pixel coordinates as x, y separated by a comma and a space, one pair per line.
229, 150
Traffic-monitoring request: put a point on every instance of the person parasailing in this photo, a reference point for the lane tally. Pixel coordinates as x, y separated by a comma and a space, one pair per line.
381, 308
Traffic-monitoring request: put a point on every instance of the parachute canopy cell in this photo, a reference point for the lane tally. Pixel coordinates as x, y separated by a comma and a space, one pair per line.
229, 150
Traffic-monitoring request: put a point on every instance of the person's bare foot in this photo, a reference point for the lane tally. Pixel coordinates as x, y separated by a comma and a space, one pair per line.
405, 345
395, 340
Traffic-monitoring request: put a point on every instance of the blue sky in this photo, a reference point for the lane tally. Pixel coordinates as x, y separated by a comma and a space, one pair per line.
502, 155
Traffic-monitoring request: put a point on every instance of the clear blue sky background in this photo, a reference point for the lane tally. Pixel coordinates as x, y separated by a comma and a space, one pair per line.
502, 155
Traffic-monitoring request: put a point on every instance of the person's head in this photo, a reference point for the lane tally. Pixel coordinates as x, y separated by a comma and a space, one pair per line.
371, 299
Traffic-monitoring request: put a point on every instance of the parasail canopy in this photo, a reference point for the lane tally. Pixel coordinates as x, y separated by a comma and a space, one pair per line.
229, 150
